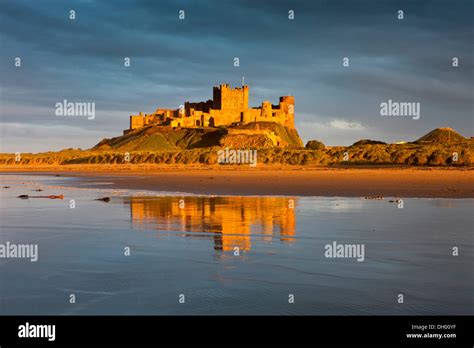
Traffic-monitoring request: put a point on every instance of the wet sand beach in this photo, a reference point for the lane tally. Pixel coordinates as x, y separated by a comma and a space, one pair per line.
299, 181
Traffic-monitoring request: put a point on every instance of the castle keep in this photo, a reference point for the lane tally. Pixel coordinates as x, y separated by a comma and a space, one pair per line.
229, 106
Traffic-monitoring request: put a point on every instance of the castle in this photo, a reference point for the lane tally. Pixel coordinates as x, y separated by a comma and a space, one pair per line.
229, 106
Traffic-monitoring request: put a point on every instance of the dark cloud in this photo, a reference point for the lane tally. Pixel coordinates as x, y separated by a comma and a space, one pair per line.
174, 61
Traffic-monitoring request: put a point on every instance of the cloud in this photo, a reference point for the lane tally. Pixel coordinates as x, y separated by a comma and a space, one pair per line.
334, 131
175, 61
17, 137
328, 123
345, 125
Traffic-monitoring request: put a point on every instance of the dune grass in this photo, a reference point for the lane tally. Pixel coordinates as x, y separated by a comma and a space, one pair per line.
378, 154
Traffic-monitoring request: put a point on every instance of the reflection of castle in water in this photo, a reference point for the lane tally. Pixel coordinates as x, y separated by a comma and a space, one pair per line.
232, 219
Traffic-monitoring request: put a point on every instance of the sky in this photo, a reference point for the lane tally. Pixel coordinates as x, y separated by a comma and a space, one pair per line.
173, 60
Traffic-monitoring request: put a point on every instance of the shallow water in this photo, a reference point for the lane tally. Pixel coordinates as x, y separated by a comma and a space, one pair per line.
187, 244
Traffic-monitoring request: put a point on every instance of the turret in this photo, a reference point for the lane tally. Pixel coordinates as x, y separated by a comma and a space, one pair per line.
266, 109
287, 106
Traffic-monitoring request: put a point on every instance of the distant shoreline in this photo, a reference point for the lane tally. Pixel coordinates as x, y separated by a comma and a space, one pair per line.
387, 181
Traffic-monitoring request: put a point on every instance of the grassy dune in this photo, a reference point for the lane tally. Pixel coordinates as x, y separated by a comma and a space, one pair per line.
392, 154
440, 147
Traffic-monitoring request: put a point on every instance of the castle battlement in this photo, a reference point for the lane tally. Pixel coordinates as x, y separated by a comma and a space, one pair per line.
229, 106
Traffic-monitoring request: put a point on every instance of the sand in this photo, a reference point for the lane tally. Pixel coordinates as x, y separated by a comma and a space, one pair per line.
284, 181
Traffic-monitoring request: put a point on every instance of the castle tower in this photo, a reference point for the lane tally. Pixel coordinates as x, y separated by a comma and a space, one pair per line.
232, 99
287, 106
245, 92
266, 110
285, 103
